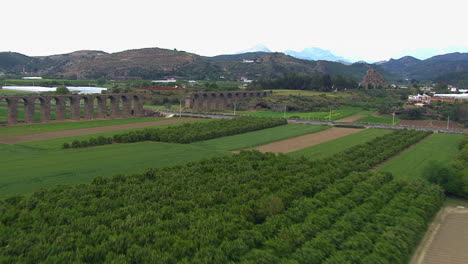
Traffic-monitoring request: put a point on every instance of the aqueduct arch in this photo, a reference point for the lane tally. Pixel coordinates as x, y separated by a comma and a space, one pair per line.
132, 105
220, 100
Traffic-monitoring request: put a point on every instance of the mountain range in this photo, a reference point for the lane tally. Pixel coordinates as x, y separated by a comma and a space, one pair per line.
154, 63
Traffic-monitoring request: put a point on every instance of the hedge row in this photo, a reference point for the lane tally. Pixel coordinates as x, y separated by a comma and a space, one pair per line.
185, 133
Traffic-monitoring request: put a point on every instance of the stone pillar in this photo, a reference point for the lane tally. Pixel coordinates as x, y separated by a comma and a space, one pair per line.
205, 105
29, 110
12, 110
114, 107
126, 107
45, 109
102, 106
89, 107
188, 101
75, 107
60, 108
138, 106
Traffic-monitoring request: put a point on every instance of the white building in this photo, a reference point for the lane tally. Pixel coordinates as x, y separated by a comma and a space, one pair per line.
32, 78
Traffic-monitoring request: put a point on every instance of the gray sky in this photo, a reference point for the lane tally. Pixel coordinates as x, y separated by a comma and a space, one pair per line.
355, 29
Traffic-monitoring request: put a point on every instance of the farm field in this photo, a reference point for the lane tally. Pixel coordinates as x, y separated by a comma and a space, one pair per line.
92, 130
245, 208
8, 131
332, 147
412, 163
6, 92
448, 240
378, 120
25, 169
260, 137
300, 142
336, 114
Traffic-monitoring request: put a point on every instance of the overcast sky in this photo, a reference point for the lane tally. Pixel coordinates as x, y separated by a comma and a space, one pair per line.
355, 29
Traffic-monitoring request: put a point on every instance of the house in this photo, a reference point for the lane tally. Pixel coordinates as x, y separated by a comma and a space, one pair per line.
247, 61
419, 99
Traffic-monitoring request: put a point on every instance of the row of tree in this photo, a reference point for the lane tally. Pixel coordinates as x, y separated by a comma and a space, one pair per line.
316, 82
250, 208
453, 177
185, 133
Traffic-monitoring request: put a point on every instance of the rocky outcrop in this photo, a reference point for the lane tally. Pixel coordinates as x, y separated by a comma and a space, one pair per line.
373, 79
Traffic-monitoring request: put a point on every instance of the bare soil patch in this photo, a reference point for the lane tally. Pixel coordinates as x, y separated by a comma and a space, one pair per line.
351, 118
446, 240
431, 123
93, 130
293, 144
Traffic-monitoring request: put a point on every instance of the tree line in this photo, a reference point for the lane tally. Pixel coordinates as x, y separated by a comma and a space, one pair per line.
315, 82
248, 208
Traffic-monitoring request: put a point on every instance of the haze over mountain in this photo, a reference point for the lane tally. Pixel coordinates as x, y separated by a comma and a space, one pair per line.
311, 53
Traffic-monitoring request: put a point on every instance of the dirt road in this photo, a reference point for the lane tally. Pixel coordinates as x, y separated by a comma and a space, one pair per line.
293, 144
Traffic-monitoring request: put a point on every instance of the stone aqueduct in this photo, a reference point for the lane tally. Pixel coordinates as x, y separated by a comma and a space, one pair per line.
94, 106
217, 101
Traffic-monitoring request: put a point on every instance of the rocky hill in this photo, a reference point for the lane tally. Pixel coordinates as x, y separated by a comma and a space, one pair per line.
429, 69
373, 79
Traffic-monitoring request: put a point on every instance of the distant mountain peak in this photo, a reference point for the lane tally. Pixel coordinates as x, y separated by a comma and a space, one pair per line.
256, 48
313, 53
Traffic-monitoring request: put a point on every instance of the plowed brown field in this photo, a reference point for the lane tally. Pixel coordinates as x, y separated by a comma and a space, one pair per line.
293, 144
448, 241
86, 131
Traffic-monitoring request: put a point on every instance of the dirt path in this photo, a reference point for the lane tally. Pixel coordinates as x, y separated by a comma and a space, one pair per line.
92, 130
351, 118
293, 144
446, 240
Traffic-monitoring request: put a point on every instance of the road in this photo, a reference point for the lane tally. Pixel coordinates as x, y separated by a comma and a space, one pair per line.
345, 124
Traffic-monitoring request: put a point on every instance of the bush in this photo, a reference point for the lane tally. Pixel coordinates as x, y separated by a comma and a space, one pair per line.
76, 144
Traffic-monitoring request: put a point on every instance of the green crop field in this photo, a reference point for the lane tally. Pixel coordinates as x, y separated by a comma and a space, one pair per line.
378, 120
330, 148
260, 137
57, 143
49, 127
25, 170
4, 92
335, 114
411, 164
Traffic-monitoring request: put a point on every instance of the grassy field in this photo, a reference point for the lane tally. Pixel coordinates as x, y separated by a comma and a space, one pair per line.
25, 170
378, 120
261, 137
48, 127
4, 92
56, 143
335, 146
335, 114
437, 148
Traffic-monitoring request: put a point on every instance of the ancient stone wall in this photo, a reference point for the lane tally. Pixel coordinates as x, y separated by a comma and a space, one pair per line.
220, 100
92, 106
